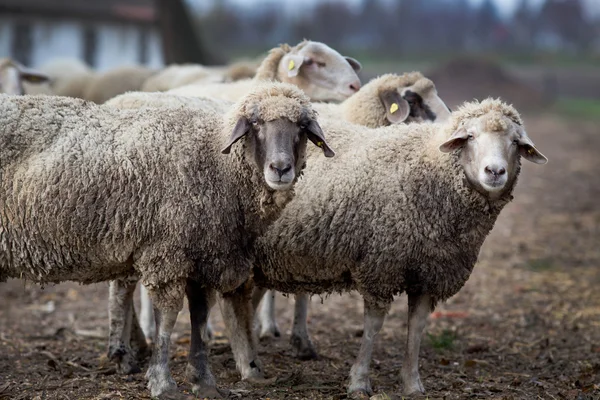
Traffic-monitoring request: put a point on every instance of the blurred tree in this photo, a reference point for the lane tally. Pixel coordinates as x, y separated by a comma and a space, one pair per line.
565, 19
523, 26
486, 23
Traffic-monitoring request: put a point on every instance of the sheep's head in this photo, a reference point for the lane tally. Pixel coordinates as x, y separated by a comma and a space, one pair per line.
12, 75
276, 120
320, 71
491, 140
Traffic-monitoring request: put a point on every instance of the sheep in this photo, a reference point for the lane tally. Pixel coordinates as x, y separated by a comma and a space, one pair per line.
321, 72
13, 75
68, 77
137, 100
403, 208
176, 75
116, 81
385, 100
93, 193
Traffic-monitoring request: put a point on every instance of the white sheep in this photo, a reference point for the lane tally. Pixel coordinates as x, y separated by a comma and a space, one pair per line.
320, 71
402, 209
105, 86
94, 193
67, 77
388, 99
13, 75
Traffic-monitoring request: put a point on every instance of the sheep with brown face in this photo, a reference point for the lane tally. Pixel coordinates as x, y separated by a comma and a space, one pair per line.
320, 71
13, 75
104, 194
404, 208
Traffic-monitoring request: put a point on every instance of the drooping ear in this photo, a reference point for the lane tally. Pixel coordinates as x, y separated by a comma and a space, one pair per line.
396, 108
242, 127
528, 151
31, 75
354, 63
292, 63
315, 134
456, 141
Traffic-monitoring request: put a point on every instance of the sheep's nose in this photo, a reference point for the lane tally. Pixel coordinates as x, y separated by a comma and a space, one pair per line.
495, 170
280, 167
355, 86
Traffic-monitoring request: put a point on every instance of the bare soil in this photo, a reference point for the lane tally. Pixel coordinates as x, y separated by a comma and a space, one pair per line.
525, 326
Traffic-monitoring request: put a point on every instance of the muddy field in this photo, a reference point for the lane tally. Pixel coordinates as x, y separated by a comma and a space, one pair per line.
526, 325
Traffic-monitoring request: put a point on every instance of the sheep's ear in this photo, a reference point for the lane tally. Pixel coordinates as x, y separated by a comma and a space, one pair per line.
242, 127
456, 141
315, 135
292, 63
354, 63
396, 108
528, 151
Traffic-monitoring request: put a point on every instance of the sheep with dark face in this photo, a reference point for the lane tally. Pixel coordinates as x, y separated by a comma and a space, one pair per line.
320, 71
395, 214
93, 193
13, 75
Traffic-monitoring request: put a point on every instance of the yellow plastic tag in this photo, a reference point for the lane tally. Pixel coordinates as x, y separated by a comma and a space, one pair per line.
393, 108
320, 144
530, 151
291, 65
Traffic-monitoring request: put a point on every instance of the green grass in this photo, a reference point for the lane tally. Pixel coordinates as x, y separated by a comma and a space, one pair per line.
579, 108
540, 265
442, 341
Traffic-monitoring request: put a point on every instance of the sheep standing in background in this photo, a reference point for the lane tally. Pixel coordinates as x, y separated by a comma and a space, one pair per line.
93, 193
119, 80
388, 99
13, 75
67, 77
395, 214
320, 71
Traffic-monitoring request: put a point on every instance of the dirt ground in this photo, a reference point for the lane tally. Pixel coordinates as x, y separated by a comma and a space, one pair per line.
525, 326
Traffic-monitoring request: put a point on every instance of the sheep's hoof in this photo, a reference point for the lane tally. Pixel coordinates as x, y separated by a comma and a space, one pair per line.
209, 392
125, 360
270, 332
413, 386
304, 348
173, 395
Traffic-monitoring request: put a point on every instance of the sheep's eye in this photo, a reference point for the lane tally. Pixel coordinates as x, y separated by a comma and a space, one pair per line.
470, 136
516, 142
254, 123
308, 61
321, 64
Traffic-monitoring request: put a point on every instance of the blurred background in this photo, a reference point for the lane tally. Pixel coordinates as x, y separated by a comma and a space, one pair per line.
531, 52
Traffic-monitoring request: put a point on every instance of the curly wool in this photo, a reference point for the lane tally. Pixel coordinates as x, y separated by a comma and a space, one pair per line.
365, 107
92, 193
392, 215
136, 100
476, 109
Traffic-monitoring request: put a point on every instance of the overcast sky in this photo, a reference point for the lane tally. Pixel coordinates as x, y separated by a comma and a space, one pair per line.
506, 7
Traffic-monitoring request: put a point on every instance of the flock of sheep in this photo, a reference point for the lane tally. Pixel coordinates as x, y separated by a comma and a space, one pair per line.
212, 190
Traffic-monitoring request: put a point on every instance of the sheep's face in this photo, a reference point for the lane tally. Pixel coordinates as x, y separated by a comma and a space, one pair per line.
490, 150
278, 147
13, 74
321, 72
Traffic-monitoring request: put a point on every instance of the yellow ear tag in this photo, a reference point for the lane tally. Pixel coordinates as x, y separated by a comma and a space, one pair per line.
320, 144
393, 108
530, 151
291, 65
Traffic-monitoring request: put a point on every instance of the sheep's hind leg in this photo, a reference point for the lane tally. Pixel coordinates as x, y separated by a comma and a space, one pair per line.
120, 314
198, 371
237, 310
360, 384
160, 380
146, 314
266, 317
300, 339
419, 308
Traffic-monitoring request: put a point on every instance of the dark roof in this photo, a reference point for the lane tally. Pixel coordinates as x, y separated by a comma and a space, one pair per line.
143, 11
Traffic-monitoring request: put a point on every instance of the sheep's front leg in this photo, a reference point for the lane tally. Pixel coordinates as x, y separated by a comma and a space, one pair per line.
360, 384
237, 311
419, 308
146, 314
120, 316
300, 339
160, 381
198, 371
266, 317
